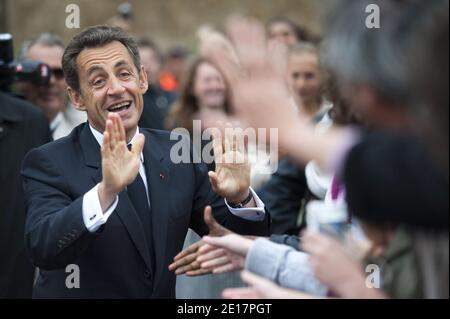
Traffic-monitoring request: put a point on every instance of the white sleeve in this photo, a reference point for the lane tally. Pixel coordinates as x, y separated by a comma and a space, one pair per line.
93, 216
255, 214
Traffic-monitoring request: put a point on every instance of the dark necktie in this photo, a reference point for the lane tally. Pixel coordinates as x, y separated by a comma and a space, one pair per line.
138, 196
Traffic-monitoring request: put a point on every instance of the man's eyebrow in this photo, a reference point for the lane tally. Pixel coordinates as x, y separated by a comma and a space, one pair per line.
94, 69
121, 63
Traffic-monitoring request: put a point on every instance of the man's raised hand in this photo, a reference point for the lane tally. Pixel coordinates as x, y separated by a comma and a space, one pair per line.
120, 166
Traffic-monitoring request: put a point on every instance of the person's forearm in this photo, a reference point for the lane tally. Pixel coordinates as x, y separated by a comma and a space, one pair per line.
304, 144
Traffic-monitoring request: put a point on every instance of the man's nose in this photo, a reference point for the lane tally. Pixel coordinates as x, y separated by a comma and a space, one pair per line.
52, 80
115, 87
301, 82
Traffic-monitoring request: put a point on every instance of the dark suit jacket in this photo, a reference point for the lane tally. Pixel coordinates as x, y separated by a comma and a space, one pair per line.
283, 195
22, 127
115, 261
156, 106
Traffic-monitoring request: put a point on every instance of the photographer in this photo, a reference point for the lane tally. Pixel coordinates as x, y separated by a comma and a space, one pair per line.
51, 98
22, 127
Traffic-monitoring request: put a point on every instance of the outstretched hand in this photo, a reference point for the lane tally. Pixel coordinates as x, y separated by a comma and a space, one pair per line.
258, 80
186, 261
262, 288
224, 254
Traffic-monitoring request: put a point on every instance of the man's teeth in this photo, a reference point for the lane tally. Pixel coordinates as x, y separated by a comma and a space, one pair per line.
120, 106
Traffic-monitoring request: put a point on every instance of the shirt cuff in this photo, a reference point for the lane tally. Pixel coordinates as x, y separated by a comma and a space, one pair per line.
93, 216
255, 214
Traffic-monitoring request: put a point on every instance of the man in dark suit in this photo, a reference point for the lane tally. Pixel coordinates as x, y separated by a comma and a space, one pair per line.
156, 100
107, 203
22, 127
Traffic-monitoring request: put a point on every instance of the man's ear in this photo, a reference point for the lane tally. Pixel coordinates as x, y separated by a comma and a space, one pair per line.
143, 80
76, 99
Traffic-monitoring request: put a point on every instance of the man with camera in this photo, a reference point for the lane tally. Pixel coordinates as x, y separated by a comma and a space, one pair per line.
22, 128
50, 97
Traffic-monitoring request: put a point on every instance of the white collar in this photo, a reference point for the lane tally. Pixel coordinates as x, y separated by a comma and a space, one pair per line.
56, 121
99, 137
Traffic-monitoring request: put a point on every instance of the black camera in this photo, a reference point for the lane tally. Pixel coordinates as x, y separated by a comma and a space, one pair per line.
125, 11
34, 72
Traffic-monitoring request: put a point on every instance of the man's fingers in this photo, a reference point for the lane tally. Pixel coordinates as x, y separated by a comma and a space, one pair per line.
110, 131
214, 241
206, 248
115, 128
190, 267
228, 141
182, 262
122, 134
217, 144
208, 217
106, 150
216, 262
199, 272
213, 179
214, 227
240, 142
189, 250
219, 252
138, 145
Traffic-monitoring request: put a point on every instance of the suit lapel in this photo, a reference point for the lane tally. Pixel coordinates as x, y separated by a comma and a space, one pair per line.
125, 210
156, 169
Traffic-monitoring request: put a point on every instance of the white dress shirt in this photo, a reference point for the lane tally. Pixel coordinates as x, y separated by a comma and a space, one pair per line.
94, 217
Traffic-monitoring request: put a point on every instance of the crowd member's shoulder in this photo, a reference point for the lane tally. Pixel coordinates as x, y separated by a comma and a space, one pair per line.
20, 109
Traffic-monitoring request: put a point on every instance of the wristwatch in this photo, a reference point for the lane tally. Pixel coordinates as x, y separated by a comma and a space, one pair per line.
243, 203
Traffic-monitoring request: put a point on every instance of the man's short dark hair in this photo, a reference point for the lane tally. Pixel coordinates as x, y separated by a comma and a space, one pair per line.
146, 43
94, 37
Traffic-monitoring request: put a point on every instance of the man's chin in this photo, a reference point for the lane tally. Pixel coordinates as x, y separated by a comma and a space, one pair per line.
130, 125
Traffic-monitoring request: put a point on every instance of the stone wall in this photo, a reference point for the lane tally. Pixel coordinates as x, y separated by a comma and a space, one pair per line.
167, 21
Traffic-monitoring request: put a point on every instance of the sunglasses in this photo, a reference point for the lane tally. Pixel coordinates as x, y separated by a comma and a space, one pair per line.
58, 73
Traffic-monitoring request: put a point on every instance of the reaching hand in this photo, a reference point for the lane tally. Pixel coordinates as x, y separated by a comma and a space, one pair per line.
261, 288
336, 268
185, 262
119, 165
224, 254
261, 96
258, 82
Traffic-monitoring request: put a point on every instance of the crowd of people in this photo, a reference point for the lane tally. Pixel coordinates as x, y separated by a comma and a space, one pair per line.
357, 206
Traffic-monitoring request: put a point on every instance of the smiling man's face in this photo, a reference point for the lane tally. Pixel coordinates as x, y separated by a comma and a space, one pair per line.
110, 82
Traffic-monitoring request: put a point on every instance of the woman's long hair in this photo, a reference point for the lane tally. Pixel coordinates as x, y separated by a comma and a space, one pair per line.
187, 106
